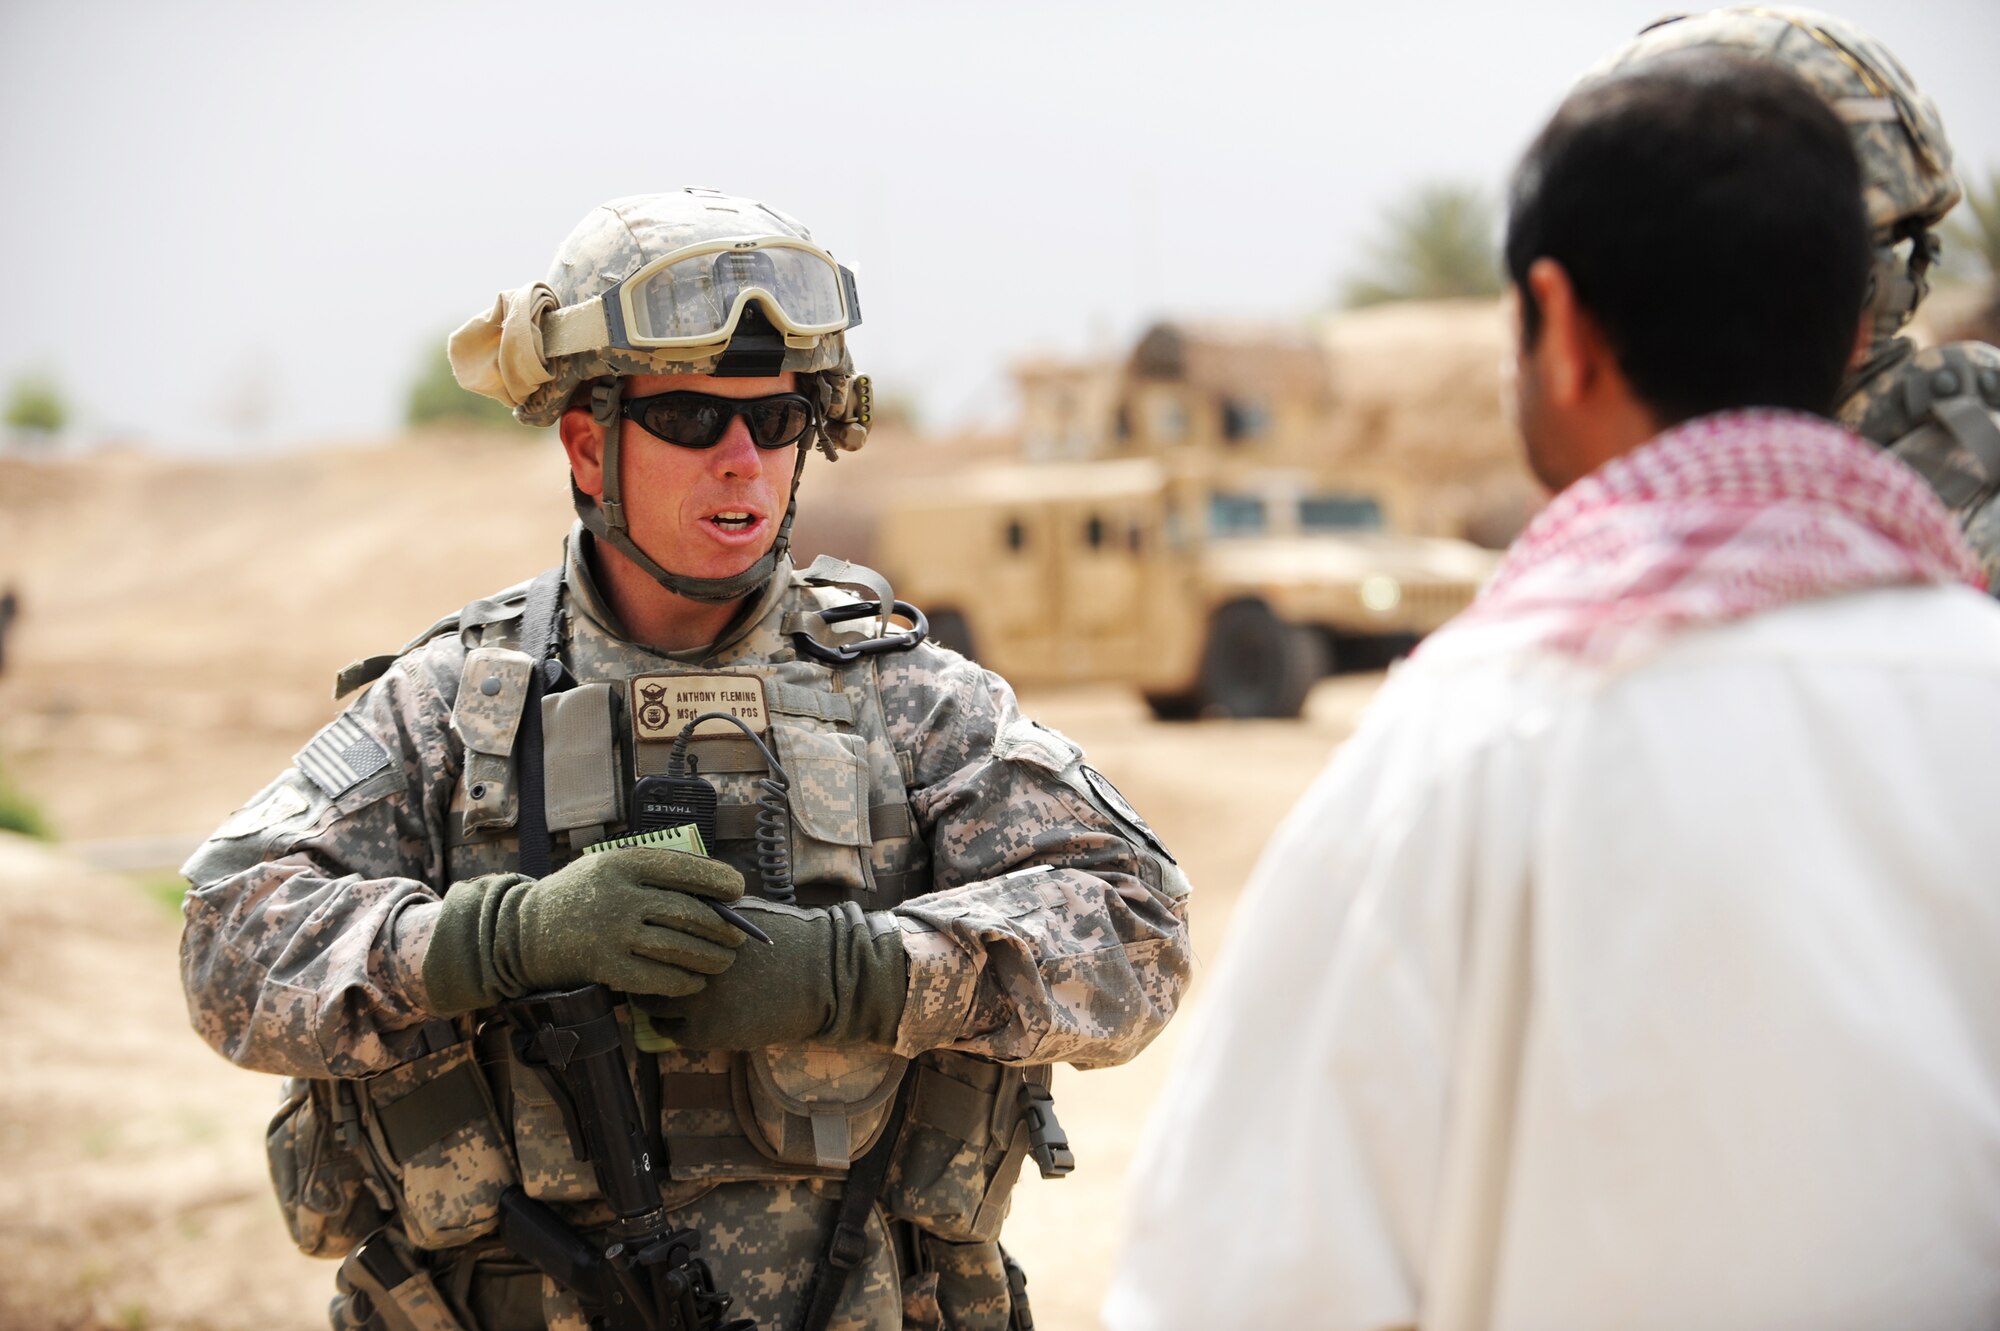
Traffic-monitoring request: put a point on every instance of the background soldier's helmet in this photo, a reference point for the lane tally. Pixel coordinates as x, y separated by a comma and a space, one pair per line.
1906, 168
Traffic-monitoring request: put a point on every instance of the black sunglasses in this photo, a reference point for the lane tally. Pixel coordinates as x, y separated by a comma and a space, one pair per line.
699, 420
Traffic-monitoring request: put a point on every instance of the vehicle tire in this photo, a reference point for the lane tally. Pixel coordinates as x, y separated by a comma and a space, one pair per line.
1257, 665
949, 629
1174, 706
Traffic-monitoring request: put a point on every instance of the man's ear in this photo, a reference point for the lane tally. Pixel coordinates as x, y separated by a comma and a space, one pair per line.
1570, 346
1864, 341
583, 440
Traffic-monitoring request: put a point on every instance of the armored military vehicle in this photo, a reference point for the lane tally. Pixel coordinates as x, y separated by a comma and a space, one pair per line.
1211, 602
1180, 523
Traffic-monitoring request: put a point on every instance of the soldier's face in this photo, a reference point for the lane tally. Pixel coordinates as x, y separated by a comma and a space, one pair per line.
705, 513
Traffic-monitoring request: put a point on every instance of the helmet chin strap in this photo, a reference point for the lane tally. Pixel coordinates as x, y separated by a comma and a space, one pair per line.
1896, 286
605, 518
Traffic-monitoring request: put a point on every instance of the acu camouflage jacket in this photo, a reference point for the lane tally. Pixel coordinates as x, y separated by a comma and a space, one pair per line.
1042, 920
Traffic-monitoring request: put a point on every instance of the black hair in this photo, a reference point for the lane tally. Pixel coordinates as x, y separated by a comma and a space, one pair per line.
1707, 209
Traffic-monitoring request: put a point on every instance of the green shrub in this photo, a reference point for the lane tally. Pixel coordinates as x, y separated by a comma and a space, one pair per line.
36, 408
1435, 242
166, 888
435, 398
18, 814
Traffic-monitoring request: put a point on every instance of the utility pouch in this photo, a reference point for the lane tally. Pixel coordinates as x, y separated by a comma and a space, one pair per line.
432, 1120
815, 1105
972, 1125
829, 803
974, 1290
385, 1287
315, 1147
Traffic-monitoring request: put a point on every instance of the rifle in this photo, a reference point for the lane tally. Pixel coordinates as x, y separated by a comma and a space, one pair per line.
642, 1273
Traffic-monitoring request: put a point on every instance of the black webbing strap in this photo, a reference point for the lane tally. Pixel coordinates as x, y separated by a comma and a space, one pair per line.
538, 640
848, 1242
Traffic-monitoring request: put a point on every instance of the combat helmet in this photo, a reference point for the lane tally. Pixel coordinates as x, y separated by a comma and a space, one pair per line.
689, 282
1906, 169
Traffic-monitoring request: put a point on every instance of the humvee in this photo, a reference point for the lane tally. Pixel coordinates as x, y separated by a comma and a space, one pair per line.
1211, 601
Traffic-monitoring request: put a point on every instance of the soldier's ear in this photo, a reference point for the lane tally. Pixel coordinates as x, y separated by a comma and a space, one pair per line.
583, 440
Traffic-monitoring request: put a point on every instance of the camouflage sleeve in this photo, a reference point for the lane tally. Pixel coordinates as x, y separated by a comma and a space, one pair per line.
1057, 927
310, 907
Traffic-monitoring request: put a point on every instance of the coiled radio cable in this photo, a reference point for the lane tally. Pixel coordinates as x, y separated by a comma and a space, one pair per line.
774, 806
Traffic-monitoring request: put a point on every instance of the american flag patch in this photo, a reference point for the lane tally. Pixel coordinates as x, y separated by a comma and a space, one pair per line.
341, 757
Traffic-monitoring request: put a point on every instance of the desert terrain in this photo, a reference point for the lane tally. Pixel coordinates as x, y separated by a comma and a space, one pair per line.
182, 623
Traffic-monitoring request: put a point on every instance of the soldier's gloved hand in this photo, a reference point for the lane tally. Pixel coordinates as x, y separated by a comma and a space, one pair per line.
831, 974
627, 918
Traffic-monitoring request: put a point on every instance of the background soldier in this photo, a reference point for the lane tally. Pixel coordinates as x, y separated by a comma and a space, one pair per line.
954, 899
1937, 409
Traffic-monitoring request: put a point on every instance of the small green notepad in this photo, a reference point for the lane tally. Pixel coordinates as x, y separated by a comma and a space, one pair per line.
686, 837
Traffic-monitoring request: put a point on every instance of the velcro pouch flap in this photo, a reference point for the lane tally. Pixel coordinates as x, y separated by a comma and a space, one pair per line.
1022, 740
819, 1104
492, 693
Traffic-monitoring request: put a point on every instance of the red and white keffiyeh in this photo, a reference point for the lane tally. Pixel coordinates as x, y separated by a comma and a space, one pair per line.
1717, 519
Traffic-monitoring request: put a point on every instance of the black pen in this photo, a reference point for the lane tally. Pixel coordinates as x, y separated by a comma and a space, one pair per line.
737, 919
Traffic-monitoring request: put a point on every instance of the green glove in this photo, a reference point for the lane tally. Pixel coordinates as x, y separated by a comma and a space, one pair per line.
830, 974
627, 918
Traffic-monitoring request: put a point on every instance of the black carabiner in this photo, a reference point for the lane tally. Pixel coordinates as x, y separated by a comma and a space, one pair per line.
840, 614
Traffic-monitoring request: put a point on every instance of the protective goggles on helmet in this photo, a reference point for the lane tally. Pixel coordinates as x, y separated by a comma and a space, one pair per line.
694, 297
699, 420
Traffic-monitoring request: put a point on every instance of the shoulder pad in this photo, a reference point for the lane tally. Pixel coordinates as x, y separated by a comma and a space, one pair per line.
1908, 394
826, 571
494, 609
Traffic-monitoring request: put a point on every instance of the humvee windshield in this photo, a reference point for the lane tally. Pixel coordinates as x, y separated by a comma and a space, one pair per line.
1339, 513
1235, 514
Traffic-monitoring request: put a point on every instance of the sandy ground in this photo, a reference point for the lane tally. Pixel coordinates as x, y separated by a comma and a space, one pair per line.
182, 625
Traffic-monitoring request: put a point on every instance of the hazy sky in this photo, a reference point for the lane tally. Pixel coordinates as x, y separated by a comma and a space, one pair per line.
242, 225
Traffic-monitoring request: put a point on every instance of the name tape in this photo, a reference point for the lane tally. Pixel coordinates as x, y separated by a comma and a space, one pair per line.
662, 705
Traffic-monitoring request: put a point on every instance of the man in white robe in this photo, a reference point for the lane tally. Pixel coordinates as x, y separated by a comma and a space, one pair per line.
1637, 963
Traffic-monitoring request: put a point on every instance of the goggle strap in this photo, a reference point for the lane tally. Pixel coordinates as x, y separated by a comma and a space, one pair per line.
575, 329
853, 297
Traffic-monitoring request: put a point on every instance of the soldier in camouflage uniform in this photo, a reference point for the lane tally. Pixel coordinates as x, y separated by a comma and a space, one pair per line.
1938, 409
955, 900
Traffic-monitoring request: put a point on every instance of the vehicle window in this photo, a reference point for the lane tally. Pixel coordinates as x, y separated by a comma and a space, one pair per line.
1235, 514
1243, 420
1339, 513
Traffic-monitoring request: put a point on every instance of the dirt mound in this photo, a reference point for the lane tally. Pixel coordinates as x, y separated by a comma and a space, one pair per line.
132, 1190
